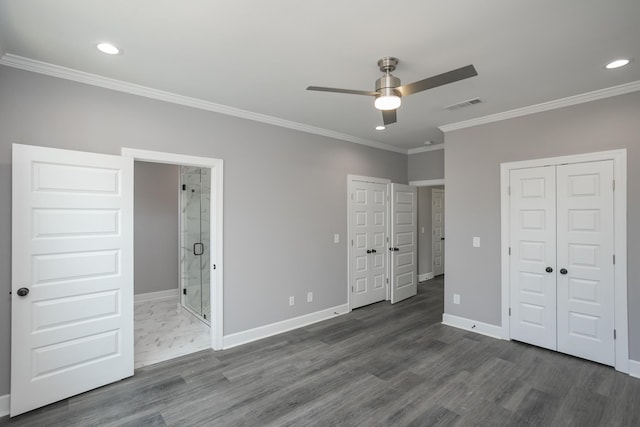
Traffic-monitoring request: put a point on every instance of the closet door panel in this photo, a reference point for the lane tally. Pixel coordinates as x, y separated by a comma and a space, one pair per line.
585, 284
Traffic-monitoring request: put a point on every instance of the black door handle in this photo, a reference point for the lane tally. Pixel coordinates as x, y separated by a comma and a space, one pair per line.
368, 251
442, 238
373, 251
396, 249
549, 270
563, 271
23, 292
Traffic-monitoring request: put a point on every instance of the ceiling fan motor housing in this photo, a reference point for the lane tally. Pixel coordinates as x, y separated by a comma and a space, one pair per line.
387, 84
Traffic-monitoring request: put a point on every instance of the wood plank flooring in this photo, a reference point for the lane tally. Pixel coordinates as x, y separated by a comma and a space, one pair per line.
380, 365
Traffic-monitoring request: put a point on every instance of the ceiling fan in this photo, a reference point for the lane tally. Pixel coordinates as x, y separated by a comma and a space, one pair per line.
389, 91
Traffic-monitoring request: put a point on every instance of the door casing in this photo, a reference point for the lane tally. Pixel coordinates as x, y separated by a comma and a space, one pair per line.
619, 158
216, 238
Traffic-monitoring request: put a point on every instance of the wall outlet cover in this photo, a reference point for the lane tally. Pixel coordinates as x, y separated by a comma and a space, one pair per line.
292, 301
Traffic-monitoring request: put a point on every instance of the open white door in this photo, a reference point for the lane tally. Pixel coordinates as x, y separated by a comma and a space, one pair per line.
437, 233
404, 227
72, 274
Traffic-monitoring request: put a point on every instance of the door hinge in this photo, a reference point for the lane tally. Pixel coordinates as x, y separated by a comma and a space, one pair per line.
614, 185
351, 242
184, 187
214, 266
615, 335
509, 311
509, 250
614, 258
184, 291
352, 289
387, 280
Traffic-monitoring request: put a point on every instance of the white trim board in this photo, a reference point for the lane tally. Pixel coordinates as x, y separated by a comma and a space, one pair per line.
4, 404
216, 230
425, 149
244, 337
425, 276
482, 328
427, 182
619, 158
634, 368
546, 106
148, 92
156, 296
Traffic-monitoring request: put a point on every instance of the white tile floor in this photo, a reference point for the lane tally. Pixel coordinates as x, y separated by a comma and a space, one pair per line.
163, 332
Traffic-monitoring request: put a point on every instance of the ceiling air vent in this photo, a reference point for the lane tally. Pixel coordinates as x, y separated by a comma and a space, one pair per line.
463, 104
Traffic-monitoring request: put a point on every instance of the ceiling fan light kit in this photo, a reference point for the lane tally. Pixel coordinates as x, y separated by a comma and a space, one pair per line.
389, 91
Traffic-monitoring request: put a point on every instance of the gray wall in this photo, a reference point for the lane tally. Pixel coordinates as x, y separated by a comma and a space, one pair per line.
285, 191
424, 239
472, 167
156, 227
427, 165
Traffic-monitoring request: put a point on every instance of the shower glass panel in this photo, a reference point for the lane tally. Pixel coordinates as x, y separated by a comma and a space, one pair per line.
195, 201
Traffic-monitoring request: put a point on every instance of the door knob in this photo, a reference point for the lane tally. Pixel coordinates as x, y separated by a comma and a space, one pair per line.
563, 271
549, 270
368, 251
23, 292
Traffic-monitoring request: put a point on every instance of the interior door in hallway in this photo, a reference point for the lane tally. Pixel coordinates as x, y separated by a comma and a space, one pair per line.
368, 243
72, 274
437, 233
404, 228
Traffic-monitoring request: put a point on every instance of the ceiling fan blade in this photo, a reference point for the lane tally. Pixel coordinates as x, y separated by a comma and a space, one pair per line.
389, 117
349, 91
439, 80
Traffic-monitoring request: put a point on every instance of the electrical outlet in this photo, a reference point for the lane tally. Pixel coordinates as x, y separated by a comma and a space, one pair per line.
309, 296
456, 298
292, 301
336, 238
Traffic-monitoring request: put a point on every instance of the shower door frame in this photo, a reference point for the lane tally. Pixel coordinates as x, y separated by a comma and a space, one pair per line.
215, 230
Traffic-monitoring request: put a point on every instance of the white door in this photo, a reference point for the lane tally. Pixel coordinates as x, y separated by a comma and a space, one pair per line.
437, 227
368, 243
72, 247
585, 261
533, 256
562, 275
404, 228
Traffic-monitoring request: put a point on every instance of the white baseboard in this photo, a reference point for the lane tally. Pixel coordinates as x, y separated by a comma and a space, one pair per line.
482, 328
265, 331
425, 276
4, 405
156, 296
634, 368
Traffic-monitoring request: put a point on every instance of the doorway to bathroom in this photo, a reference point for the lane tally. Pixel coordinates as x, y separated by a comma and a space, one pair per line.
178, 255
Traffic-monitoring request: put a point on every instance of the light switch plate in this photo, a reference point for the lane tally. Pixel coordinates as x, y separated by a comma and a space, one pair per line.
336, 238
476, 242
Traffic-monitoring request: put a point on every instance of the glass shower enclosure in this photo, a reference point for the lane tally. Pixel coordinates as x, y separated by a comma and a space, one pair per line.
195, 196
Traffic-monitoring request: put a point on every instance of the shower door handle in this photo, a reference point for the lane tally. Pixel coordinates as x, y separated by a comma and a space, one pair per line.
195, 248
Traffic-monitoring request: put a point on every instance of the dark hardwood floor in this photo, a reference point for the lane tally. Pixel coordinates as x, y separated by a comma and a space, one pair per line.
380, 365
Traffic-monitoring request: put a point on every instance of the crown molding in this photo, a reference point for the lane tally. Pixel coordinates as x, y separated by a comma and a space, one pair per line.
425, 149
546, 106
45, 68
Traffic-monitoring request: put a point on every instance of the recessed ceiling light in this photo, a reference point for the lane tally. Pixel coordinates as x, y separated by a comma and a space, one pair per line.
617, 63
108, 48
381, 127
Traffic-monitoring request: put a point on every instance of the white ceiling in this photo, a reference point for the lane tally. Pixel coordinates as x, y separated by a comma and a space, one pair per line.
260, 56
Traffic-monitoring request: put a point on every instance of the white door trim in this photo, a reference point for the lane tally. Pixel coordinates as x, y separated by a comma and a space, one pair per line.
216, 166
619, 158
350, 180
427, 182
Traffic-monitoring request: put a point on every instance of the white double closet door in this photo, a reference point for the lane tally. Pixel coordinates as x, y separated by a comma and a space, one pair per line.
561, 264
383, 255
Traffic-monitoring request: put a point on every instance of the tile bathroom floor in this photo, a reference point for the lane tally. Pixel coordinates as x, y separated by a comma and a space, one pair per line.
163, 331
